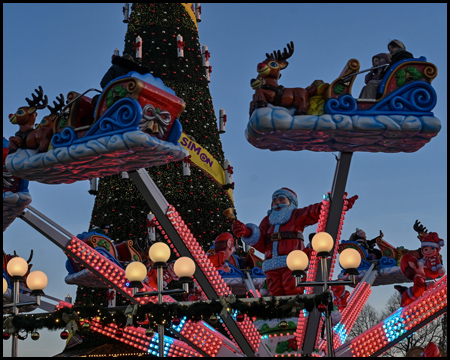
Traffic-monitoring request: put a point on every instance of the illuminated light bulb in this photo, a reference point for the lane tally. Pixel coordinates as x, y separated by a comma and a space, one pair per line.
17, 266
37, 280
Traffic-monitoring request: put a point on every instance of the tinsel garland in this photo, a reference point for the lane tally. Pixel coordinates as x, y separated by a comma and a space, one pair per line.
163, 313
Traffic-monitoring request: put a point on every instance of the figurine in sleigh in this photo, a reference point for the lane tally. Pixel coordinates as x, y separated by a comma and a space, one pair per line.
134, 125
388, 259
326, 117
241, 274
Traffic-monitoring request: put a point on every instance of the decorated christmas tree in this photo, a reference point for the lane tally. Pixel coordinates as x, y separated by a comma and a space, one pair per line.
166, 41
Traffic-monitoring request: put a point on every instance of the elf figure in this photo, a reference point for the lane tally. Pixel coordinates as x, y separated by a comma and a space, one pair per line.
224, 248
430, 247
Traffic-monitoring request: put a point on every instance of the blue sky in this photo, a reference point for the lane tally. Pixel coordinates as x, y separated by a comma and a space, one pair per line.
65, 47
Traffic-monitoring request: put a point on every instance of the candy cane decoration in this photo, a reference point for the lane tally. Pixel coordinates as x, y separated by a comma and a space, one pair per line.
222, 120
228, 169
205, 56
94, 188
198, 11
151, 224
126, 12
137, 46
180, 46
187, 166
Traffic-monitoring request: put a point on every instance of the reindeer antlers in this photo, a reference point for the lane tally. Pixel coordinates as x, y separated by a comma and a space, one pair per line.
419, 228
58, 106
277, 55
36, 102
29, 259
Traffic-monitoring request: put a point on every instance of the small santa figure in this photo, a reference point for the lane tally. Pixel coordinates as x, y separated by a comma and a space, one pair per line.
340, 296
431, 246
413, 269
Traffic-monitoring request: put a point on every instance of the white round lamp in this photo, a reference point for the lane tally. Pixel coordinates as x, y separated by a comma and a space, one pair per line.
5, 285
184, 267
322, 243
36, 282
297, 261
136, 273
159, 253
350, 259
17, 267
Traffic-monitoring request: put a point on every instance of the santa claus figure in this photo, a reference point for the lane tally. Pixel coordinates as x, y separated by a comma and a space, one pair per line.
279, 233
413, 269
431, 246
340, 296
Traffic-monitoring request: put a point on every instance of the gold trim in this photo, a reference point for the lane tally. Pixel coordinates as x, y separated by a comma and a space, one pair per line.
188, 8
430, 72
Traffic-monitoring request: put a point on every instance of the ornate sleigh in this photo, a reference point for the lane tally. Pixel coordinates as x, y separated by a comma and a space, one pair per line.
120, 254
399, 120
134, 125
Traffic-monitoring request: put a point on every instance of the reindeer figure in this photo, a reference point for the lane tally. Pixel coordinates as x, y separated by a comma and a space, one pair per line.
25, 117
267, 89
430, 247
44, 130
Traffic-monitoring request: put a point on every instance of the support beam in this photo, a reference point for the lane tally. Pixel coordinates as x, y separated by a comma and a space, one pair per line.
332, 227
63, 239
159, 206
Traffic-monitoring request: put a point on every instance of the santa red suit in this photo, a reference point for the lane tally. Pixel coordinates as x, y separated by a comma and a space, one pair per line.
412, 268
277, 238
340, 297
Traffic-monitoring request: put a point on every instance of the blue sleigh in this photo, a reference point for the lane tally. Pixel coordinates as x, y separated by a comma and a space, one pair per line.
399, 120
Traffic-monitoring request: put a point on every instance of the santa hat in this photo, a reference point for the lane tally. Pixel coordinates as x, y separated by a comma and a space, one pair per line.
224, 237
292, 196
431, 350
432, 239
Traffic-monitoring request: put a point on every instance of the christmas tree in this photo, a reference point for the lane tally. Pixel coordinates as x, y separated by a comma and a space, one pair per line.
199, 198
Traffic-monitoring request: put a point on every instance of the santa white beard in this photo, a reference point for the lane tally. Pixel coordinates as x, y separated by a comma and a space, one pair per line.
281, 216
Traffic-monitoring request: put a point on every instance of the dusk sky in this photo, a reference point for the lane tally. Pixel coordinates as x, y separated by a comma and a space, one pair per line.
64, 47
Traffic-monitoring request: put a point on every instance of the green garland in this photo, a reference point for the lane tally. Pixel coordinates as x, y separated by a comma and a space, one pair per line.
163, 313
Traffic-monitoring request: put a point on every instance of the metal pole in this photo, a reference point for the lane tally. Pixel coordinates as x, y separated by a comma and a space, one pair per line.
332, 227
159, 206
15, 294
323, 261
160, 301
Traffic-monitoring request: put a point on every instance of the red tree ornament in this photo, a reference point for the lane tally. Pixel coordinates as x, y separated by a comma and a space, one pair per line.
64, 335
